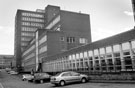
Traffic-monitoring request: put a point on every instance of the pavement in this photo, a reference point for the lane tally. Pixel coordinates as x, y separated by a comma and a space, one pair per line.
113, 81
1, 86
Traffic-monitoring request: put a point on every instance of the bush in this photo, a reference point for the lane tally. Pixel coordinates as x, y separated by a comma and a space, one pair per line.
113, 77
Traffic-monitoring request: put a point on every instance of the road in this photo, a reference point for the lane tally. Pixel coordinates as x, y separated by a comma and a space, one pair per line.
14, 81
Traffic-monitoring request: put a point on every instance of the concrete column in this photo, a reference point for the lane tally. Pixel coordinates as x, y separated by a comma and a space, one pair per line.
106, 61
93, 60
122, 59
132, 57
99, 61
113, 59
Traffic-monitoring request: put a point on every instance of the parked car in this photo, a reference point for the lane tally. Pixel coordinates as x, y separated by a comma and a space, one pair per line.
13, 72
41, 77
68, 77
8, 69
27, 77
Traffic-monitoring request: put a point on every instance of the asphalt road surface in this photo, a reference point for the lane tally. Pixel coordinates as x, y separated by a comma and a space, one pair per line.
14, 81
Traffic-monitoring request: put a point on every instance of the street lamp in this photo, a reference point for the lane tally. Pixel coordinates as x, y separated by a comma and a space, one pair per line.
133, 7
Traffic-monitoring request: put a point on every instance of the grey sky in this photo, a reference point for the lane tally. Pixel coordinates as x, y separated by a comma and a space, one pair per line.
107, 17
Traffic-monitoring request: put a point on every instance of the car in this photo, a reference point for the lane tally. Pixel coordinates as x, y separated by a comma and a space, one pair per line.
41, 77
7, 70
68, 77
13, 72
27, 77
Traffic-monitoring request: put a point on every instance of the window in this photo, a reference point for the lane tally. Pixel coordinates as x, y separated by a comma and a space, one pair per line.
75, 74
116, 48
66, 74
108, 49
85, 54
81, 55
90, 53
57, 28
28, 29
70, 39
133, 44
32, 14
102, 51
53, 23
83, 40
43, 39
77, 56
125, 46
117, 54
32, 19
96, 52
27, 34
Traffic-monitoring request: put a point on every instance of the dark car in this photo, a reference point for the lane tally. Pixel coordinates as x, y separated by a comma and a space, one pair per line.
41, 77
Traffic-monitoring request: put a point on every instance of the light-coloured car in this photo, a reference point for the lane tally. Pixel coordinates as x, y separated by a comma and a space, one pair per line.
13, 72
68, 77
27, 77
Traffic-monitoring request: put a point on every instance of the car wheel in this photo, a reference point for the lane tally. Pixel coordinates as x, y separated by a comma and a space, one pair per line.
62, 83
41, 81
83, 80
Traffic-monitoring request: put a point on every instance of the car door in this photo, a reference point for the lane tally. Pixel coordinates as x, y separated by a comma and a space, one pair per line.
66, 77
75, 77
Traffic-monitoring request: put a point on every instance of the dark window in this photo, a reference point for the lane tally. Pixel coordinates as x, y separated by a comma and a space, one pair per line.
66, 74
117, 54
70, 39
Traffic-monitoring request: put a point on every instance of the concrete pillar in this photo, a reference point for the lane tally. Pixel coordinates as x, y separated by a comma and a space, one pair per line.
132, 58
106, 61
113, 59
122, 59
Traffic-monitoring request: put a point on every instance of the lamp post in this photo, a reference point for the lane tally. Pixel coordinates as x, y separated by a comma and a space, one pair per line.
133, 7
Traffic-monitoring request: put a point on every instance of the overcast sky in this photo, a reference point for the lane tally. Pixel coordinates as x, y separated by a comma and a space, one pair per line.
107, 17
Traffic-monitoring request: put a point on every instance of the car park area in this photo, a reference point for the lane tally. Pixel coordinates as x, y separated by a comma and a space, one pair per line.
15, 81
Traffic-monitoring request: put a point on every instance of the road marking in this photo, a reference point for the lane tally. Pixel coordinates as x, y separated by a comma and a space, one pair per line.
1, 85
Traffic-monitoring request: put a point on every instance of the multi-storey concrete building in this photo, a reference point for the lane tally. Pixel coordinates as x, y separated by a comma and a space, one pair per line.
26, 23
63, 30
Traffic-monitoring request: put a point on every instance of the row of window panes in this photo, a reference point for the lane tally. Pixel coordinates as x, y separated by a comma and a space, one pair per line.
30, 62
29, 56
28, 50
57, 28
53, 23
32, 15
27, 34
32, 19
25, 39
66, 65
115, 50
24, 44
28, 29
43, 39
42, 49
33, 24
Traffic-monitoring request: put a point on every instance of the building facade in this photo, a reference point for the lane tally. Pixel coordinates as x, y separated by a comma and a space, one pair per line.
6, 61
26, 23
113, 54
63, 31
